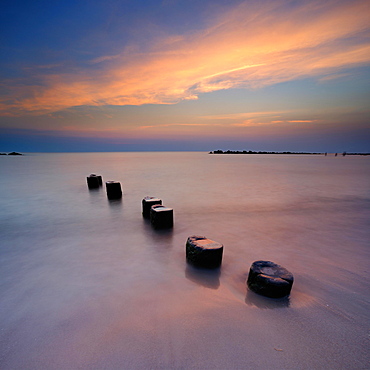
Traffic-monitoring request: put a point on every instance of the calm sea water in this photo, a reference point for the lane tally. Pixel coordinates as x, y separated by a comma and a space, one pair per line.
87, 283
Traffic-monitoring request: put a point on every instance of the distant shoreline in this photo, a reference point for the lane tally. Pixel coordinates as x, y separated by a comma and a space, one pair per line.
263, 152
12, 153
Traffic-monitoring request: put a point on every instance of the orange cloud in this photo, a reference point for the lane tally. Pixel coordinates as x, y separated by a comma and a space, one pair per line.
250, 46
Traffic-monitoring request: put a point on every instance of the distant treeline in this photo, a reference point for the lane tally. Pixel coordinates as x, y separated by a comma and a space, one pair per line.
357, 153
263, 152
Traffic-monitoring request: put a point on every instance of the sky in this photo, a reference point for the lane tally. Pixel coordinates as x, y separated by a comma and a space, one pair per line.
184, 75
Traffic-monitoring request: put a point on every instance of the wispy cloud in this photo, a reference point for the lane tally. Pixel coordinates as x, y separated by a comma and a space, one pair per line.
177, 124
302, 121
251, 46
248, 119
231, 70
246, 115
334, 76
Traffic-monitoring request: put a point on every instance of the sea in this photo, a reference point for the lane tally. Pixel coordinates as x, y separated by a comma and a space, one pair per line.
88, 283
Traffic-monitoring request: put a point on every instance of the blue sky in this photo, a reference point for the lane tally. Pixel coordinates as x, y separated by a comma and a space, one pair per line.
184, 75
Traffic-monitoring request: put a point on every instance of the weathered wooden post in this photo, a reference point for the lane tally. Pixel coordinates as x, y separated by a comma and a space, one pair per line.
269, 279
113, 189
100, 179
94, 181
147, 203
161, 217
204, 252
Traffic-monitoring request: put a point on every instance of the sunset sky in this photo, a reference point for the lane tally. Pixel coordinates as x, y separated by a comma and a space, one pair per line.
123, 75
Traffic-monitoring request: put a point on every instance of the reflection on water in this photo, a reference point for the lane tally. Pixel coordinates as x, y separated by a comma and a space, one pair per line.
70, 255
254, 299
115, 202
94, 190
165, 234
209, 278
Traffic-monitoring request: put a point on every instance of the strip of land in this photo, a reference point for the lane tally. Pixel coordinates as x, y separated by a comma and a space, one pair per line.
263, 152
12, 153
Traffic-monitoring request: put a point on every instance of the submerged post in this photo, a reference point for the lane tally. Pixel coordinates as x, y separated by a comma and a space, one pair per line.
113, 189
94, 181
203, 252
147, 203
269, 279
161, 217
100, 179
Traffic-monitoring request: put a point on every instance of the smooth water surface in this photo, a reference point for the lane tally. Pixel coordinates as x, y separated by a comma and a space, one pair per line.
86, 283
